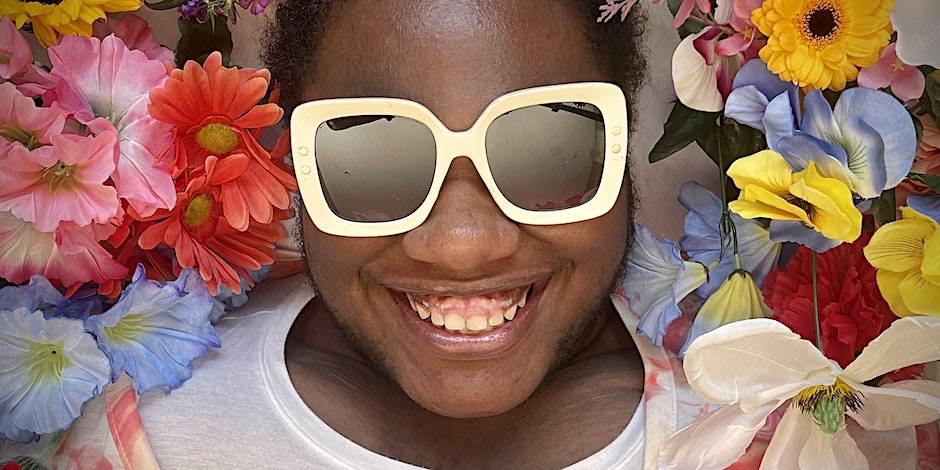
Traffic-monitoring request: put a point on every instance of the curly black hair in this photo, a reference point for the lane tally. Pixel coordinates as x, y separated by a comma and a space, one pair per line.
290, 39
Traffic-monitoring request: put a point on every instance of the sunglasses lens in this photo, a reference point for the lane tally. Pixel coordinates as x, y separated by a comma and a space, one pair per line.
549, 156
375, 168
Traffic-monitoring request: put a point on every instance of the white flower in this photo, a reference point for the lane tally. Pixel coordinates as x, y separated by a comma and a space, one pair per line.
50, 368
754, 366
918, 31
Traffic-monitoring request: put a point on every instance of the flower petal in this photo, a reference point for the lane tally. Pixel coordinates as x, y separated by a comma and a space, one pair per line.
797, 232
918, 31
909, 340
695, 81
778, 120
865, 155
837, 452
788, 441
898, 405
747, 105
754, 362
898, 246
715, 440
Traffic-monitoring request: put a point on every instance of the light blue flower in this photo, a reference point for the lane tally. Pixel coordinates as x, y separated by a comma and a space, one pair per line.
657, 279
761, 100
702, 240
39, 294
226, 300
155, 330
867, 141
926, 205
50, 369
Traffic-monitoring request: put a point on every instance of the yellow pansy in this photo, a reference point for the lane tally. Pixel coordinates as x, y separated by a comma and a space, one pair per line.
771, 189
906, 253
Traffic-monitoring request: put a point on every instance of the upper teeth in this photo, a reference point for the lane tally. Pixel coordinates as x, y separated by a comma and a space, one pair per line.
472, 323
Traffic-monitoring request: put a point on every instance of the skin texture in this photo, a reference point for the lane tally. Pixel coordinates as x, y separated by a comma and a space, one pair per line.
355, 355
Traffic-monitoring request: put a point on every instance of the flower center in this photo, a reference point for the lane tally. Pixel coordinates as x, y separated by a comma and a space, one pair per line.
820, 23
828, 404
59, 175
15, 134
127, 329
198, 210
45, 361
802, 204
49, 2
218, 139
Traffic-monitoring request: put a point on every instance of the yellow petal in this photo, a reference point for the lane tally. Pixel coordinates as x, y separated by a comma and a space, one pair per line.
738, 298
756, 202
930, 267
834, 213
898, 246
920, 295
766, 169
888, 282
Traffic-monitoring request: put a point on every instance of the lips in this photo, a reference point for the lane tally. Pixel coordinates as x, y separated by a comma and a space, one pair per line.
469, 314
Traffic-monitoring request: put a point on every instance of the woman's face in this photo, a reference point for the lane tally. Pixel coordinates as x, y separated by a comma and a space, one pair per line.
455, 57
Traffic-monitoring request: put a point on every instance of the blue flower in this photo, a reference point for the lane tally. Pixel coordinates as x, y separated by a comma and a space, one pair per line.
702, 240
226, 300
657, 279
39, 294
867, 141
50, 369
761, 100
155, 330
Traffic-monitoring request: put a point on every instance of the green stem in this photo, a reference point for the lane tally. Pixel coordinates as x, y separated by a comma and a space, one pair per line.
816, 306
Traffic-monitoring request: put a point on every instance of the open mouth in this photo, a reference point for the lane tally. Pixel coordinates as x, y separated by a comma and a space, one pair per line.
469, 314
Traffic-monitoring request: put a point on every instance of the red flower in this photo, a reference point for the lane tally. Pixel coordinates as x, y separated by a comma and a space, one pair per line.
851, 309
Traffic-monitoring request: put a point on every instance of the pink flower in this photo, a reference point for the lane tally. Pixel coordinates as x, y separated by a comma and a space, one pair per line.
136, 34
23, 124
906, 82
104, 79
61, 182
685, 10
256, 7
71, 255
16, 62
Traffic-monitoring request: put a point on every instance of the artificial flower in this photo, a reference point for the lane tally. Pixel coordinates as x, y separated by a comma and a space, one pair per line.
53, 19
906, 82
61, 182
612, 7
24, 124
907, 255
155, 331
810, 202
215, 112
704, 243
106, 86
753, 367
203, 237
16, 62
761, 100
71, 255
737, 298
867, 140
918, 31
926, 162
136, 35
39, 294
701, 77
685, 10
822, 43
851, 311
657, 278
256, 7
50, 367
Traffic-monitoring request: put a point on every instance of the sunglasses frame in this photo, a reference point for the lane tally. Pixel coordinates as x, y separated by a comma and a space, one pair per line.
449, 145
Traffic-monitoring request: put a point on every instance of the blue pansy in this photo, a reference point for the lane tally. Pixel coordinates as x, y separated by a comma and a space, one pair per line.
761, 100
926, 205
657, 279
702, 239
156, 330
50, 369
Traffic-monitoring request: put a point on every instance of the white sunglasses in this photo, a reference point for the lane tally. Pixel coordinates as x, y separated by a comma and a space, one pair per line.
370, 167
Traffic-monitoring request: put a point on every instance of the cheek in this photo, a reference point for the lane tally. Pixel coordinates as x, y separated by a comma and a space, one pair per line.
336, 263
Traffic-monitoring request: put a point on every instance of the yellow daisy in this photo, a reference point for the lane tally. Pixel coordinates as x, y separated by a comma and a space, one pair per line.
53, 18
822, 43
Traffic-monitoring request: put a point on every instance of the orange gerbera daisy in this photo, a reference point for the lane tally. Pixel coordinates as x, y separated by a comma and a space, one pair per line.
216, 112
203, 239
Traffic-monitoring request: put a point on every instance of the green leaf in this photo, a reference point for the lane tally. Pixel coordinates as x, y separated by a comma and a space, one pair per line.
932, 181
737, 140
690, 26
198, 40
683, 126
884, 208
932, 94
164, 5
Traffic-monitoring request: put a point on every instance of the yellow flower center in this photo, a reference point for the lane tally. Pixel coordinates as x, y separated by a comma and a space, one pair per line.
198, 210
59, 175
15, 134
218, 139
898, 65
820, 23
127, 329
45, 361
828, 404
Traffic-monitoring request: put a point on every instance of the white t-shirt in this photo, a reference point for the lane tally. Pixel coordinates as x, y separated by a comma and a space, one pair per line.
240, 409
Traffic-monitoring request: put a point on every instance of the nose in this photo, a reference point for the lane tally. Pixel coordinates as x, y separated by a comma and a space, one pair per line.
466, 230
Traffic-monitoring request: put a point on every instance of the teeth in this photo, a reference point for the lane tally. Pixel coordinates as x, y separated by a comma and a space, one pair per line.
473, 324
477, 323
496, 320
454, 322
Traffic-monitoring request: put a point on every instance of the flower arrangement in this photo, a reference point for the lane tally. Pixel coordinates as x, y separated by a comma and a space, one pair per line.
817, 269
137, 203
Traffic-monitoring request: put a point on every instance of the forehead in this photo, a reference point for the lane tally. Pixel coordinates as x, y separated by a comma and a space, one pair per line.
453, 56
